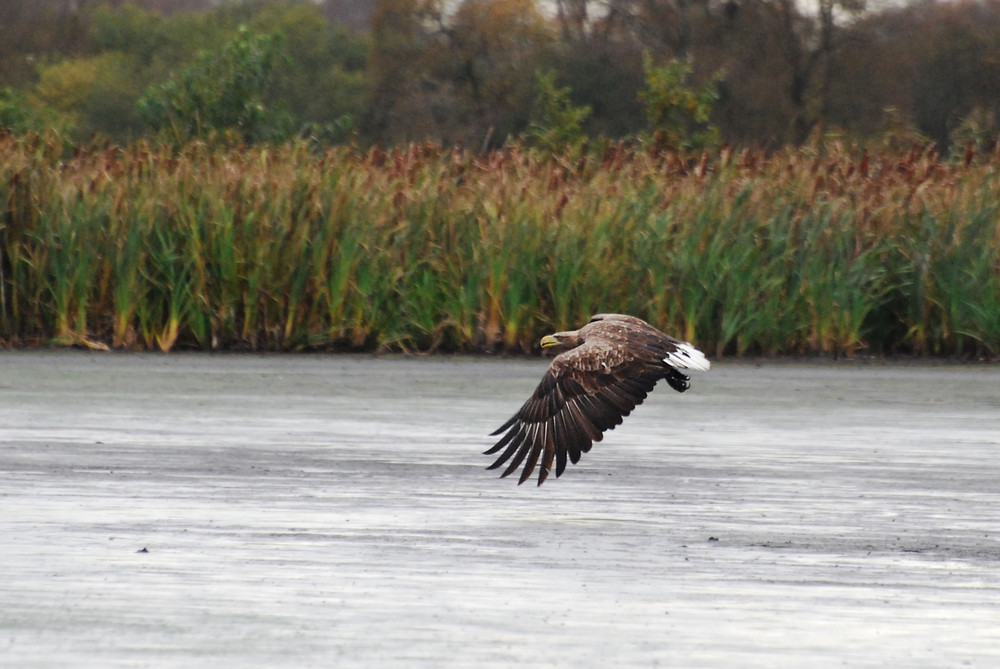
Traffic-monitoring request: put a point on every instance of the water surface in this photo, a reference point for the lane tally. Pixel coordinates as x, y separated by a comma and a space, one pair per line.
305, 511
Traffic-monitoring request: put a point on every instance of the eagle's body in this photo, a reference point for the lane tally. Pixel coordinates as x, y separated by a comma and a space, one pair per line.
606, 369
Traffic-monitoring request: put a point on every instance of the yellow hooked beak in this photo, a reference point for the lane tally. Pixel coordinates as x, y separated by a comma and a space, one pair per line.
549, 340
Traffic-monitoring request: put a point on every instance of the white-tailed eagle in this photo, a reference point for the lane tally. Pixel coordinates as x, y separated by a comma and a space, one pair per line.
605, 369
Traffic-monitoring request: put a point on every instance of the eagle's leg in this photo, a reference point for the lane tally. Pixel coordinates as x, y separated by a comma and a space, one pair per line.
678, 381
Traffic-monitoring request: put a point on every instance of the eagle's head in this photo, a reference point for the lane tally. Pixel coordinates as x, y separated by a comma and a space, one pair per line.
561, 340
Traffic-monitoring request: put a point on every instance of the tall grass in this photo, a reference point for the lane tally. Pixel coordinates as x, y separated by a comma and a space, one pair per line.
822, 249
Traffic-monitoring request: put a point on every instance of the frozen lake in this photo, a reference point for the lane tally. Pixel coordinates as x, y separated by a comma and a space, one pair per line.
334, 511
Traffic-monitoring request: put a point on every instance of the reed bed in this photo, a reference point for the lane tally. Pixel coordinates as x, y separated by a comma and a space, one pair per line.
823, 249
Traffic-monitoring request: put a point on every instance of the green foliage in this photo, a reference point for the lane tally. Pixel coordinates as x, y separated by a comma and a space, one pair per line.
66, 85
19, 115
819, 250
976, 132
678, 114
897, 133
110, 109
315, 81
555, 124
454, 72
95, 94
321, 78
132, 30
14, 113
220, 95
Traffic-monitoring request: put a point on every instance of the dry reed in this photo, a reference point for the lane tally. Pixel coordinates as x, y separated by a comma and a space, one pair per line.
822, 249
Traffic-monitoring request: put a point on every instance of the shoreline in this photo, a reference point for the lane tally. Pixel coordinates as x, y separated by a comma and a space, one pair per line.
818, 359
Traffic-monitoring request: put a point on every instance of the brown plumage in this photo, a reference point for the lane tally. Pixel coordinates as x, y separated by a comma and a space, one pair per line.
606, 369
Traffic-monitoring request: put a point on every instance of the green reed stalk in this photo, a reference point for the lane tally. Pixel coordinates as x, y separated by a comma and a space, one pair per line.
128, 257
814, 250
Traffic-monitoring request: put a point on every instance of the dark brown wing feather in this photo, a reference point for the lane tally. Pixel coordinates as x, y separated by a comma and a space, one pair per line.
585, 392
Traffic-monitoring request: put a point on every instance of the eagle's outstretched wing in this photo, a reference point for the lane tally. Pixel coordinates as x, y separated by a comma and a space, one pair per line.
612, 364
572, 407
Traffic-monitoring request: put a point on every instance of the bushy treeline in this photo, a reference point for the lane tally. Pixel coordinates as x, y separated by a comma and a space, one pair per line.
469, 71
247, 71
821, 249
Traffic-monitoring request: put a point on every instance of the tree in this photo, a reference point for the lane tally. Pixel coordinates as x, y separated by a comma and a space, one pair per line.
555, 123
958, 70
455, 77
492, 44
809, 47
679, 114
94, 94
18, 115
405, 101
220, 96
606, 76
352, 14
321, 78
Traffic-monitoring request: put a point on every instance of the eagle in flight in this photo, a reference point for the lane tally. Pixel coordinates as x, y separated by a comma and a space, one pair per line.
604, 370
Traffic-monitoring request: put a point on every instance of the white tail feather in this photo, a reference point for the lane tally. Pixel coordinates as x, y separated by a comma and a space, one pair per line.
688, 357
